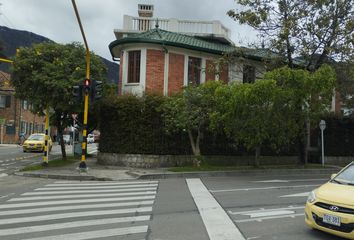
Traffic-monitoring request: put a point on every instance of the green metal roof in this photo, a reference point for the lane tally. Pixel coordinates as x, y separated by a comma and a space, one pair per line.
166, 38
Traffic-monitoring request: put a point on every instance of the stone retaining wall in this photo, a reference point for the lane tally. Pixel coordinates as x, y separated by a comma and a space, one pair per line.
156, 161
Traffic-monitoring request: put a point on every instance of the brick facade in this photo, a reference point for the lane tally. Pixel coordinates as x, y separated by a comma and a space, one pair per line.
15, 113
155, 66
175, 73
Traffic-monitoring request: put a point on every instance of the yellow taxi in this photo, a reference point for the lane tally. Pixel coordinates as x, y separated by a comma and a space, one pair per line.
330, 208
35, 142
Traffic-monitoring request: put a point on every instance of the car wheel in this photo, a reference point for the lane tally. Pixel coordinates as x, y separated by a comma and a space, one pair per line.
24, 150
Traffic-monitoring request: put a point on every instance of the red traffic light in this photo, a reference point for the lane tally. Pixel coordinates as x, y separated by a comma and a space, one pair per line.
87, 82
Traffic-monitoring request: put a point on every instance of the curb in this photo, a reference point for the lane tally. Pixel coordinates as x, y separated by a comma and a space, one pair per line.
233, 173
63, 177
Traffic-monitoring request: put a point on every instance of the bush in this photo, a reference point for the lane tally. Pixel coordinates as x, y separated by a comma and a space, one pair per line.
130, 124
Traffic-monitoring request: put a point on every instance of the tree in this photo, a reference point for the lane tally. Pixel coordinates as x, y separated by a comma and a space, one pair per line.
45, 74
311, 95
313, 30
255, 115
190, 111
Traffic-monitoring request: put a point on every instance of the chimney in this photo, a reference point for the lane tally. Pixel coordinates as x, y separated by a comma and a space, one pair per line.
146, 10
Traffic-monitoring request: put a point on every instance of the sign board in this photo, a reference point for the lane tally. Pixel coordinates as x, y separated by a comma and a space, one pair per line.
2, 121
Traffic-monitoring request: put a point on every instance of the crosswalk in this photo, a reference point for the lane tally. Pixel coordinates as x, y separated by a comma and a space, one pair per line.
80, 210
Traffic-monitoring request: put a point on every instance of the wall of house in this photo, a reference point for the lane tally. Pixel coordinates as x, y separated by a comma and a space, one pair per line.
14, 115
163, 70
236, 69
175, 72
155, 66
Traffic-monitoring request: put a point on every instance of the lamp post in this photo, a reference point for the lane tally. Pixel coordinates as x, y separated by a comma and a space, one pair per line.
322, 126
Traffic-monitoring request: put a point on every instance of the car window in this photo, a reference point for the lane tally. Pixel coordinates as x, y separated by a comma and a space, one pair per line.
36, 137
347, 175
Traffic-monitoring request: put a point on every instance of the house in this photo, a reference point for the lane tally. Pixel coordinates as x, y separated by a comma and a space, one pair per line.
15, 114
163, 55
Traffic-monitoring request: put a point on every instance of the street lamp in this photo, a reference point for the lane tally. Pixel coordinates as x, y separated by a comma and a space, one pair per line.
322, 126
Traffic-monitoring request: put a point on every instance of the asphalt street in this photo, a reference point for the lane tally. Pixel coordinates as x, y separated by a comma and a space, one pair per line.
12, 158
245, 207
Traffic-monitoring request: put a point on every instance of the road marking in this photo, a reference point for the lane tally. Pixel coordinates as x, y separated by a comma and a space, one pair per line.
269, 213
267, 218
263, 188
95, 187
272, 181
61, 184
218, 224
82, 196
304, 194
89, 191
74, 224
8, 164
270, 209
70, 207
295, 180
93, 200
74, 215
97, 234
3, 175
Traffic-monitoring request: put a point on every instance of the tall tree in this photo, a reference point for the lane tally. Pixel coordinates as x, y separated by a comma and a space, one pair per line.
314, 30
45, 74
190, 111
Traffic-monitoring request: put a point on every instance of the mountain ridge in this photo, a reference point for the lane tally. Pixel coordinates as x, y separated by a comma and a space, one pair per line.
13, 39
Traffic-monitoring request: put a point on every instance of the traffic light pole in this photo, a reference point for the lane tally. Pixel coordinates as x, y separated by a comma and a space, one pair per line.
83, 165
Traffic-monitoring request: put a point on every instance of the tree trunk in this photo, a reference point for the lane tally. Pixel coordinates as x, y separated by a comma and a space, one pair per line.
258, 154
195, 147
61, 140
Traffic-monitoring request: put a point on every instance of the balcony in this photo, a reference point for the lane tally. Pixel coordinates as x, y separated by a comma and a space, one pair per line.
190, 27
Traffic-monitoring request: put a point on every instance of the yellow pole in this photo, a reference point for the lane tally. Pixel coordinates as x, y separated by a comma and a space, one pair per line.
83, 165
46, 138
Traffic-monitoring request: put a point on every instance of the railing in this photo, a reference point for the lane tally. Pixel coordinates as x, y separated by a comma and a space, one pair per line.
175, 25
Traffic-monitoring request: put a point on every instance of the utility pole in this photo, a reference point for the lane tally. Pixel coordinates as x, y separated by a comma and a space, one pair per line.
87, 85
46, 139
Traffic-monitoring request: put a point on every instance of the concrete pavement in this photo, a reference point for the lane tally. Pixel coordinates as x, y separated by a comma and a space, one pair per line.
114, 173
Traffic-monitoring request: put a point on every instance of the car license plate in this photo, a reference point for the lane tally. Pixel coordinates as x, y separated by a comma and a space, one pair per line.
330, 219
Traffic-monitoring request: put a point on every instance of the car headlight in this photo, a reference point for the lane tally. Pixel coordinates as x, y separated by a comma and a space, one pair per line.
312, 197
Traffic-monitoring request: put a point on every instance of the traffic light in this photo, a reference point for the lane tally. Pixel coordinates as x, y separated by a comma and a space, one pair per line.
87, 86
77, 92
96, 90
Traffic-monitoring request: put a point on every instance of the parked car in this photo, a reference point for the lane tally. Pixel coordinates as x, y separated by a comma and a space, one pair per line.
90, 138
35, 142
330, 208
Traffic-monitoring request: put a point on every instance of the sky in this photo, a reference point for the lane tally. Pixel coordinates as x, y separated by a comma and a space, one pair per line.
55, 19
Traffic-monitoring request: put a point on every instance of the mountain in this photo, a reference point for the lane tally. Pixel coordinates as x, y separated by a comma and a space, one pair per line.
13, 39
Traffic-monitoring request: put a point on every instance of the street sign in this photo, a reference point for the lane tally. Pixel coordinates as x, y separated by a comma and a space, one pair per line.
2, 121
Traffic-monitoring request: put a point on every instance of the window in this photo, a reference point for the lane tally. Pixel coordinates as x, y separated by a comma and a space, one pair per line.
194, 66
5, 101
134, 67
249, 74
24, 105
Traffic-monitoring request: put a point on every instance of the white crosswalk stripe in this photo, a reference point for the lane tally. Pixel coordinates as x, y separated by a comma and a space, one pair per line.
73, 210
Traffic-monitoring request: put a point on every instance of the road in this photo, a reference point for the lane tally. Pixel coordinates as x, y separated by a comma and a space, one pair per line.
12, 158
265, 207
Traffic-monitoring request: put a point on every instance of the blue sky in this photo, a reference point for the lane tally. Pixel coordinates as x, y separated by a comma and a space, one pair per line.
56, 20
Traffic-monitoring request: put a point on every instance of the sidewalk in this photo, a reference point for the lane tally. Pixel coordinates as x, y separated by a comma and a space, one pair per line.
115, 173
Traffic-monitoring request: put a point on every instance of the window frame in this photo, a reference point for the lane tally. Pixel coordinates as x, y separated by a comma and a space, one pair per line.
249, 73
134, 67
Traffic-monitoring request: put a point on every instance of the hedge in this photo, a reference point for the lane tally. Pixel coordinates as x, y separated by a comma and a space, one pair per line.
135, 125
